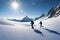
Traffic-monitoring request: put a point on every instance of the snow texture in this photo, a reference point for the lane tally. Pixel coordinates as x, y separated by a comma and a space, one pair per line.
23, 30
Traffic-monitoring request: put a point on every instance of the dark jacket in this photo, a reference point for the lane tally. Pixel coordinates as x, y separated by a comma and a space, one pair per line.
32, 22
40, 22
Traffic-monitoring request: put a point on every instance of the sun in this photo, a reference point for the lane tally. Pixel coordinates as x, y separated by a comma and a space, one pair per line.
15, 5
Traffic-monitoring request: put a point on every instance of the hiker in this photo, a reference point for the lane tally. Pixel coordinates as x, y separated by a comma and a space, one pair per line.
32, 23
40, 24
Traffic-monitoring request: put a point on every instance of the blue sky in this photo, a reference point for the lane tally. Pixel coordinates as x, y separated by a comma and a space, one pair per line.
31, 8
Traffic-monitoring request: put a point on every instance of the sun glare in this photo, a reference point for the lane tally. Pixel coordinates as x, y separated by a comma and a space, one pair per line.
15, 5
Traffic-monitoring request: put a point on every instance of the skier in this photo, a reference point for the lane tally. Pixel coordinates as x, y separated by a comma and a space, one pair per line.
41, 24
32, 23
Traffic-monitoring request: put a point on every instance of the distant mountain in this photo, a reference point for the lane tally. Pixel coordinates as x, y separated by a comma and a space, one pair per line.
54, 11
43, 15
25, 19
14, 20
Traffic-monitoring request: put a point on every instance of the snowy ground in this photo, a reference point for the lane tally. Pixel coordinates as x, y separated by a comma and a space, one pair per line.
23, 31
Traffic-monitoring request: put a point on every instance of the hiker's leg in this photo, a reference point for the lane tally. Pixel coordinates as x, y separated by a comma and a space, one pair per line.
32, 26
40, 25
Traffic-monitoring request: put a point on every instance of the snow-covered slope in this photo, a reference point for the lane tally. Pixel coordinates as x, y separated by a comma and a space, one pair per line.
53, 22
54, 11
51, 28
23, 30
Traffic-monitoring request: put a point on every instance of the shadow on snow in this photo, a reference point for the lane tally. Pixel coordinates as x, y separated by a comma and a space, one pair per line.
38, 32
52, 31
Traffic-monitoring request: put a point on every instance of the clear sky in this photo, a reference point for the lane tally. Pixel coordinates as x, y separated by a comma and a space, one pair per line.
21, 8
